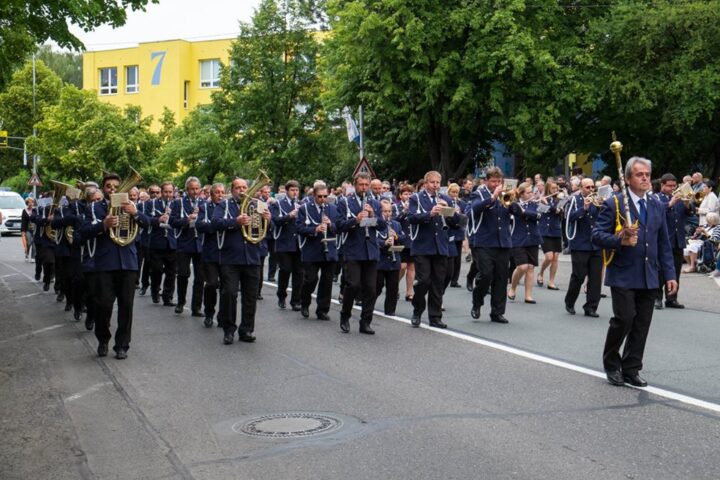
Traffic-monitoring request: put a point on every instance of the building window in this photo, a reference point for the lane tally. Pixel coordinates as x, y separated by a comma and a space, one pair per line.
186, 95
132, 80
209, 73
108, 81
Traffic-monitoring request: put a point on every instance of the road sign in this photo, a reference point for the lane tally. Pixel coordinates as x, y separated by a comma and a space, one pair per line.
35, 181
3, 138
364, 167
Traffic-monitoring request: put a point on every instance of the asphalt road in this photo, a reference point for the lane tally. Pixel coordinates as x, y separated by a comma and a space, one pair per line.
407, 403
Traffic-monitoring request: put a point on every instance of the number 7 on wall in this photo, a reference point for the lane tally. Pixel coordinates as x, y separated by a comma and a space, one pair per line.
158, 67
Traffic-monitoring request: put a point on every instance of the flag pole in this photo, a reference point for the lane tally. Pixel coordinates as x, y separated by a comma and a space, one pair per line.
362, 135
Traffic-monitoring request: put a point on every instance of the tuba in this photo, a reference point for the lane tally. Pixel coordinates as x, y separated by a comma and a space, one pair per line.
255, 231
127, 228
59, 192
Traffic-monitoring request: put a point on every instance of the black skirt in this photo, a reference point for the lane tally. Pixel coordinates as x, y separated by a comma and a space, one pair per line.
552, 244
525, 255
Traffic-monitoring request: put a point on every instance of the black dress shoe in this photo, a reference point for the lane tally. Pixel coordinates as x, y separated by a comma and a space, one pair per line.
208, 322
168, 303
178, 308
228, 339
591, 313
615, 377
296, 307
455, 285
77, 315
89, 323
532, 302
46, 286
390, 314
60, 297
499, 319
415, 321
68, 308
603, 295
469, 286
305, 312
364, 328
246, 337
674, 304
121, 354
37, 277
281, 304
271, 279
475, 312
143, 291
437, 324
570, 309
155, 298
102, 350
260, 297
658, 304
196, 313
345, 325
323, 316
634, 379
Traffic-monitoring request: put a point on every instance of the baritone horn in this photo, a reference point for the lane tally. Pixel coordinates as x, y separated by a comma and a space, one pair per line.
256, 230
58, 193
127, 228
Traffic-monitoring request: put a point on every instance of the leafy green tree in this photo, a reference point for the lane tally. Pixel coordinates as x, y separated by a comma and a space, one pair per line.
67, 65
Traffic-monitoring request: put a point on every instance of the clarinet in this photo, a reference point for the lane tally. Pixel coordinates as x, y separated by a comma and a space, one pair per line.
391, 236
322, 217
362, 208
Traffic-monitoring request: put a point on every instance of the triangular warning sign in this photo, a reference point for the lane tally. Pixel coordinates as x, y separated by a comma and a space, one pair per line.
35, 181
364, 167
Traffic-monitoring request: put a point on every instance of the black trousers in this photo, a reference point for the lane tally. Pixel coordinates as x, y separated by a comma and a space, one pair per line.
290, 263
585, 264
450, 271
63, 276
109, 286
472, 272
89, 285
162, 262
324, 281
75, 291
45, 263
493, 269
457, 262
243, 280
144, 265
632, 314
678, 261
430, 276
272, 257
260, 280
183, 275
212, 284
360, 282
390, 280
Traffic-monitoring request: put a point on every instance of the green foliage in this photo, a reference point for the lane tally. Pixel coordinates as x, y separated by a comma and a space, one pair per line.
67, 65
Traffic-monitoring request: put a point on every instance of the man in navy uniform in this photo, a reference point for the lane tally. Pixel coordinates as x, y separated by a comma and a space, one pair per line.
45, 257
145, 207
163, 243
239, 266
677, 214
210, 251
318, 246
183, 217
361, 252
67, 216
116, 269
430, 250
287, 253
642, 253
581, 215
491, 242
63, 271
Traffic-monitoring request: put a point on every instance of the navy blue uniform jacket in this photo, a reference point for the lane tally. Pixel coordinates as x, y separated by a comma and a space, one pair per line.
581, 224
489, 225
311, 244
188, 240
234, 249
357, 245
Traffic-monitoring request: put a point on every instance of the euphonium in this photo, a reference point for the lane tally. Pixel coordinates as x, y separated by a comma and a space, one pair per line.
59, 192
255, 231
126, 230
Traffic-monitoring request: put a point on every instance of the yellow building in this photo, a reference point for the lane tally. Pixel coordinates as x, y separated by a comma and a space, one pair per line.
177, 74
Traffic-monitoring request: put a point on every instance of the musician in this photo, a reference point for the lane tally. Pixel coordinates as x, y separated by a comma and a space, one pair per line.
265, 195
45, 256
315, 225
63, 273
642, 252
162, 246
145, 207
134, 196
388, 271
525, 240
70, 216
183, 217
491, 243
92, 194
361, 253
376, 189
287, 252
115, 269
239, 266
407, 264
676, 216
551, 232
581, 215
456, 238
210, 251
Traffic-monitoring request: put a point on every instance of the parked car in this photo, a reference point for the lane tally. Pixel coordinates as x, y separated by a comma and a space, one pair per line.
11, 207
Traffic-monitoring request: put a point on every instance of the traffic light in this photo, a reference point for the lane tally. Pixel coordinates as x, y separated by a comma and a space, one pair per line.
3, 138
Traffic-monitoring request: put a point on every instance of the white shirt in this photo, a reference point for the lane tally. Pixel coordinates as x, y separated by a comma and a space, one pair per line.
636, 200
709, 204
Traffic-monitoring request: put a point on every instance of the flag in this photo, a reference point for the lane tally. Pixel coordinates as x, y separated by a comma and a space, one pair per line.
352, 130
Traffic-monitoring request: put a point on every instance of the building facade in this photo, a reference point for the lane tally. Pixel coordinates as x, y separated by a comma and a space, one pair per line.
177, 74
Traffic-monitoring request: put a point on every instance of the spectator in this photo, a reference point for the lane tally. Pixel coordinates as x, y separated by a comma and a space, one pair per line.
709, 203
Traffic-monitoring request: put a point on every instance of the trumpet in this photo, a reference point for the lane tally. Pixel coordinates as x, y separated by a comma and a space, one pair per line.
507, 198
685, 193
595, 199
698, 197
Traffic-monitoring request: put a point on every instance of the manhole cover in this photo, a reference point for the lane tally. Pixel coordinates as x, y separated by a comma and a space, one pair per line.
289, 425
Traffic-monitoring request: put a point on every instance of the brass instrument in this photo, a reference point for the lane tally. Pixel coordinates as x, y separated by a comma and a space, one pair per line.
595, 199
698, 197
59, 192
126, 230
256, 230
509, 194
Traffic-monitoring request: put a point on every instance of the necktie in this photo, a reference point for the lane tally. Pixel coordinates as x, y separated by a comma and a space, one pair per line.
643, 211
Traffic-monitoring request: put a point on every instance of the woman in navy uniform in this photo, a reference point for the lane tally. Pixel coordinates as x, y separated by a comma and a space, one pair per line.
388, 274
407, 264
315, 225
642, 255
210, 252
491, 242
456, 237
361, 253
525, 240
551, 232
287, 252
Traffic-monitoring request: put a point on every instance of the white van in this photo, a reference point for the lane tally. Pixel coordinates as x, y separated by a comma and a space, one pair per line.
11, 206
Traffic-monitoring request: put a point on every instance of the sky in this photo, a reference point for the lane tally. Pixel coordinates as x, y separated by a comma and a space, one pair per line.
172, 19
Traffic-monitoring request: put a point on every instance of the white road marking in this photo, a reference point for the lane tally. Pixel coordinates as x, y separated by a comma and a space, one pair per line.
30, 295
686, 399
87, 391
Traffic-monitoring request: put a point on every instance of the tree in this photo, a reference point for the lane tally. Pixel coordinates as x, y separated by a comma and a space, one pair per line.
67, 65
25, 24
269, 104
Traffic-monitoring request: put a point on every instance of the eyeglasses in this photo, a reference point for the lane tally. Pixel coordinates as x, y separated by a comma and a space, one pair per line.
320, 196
589, 188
